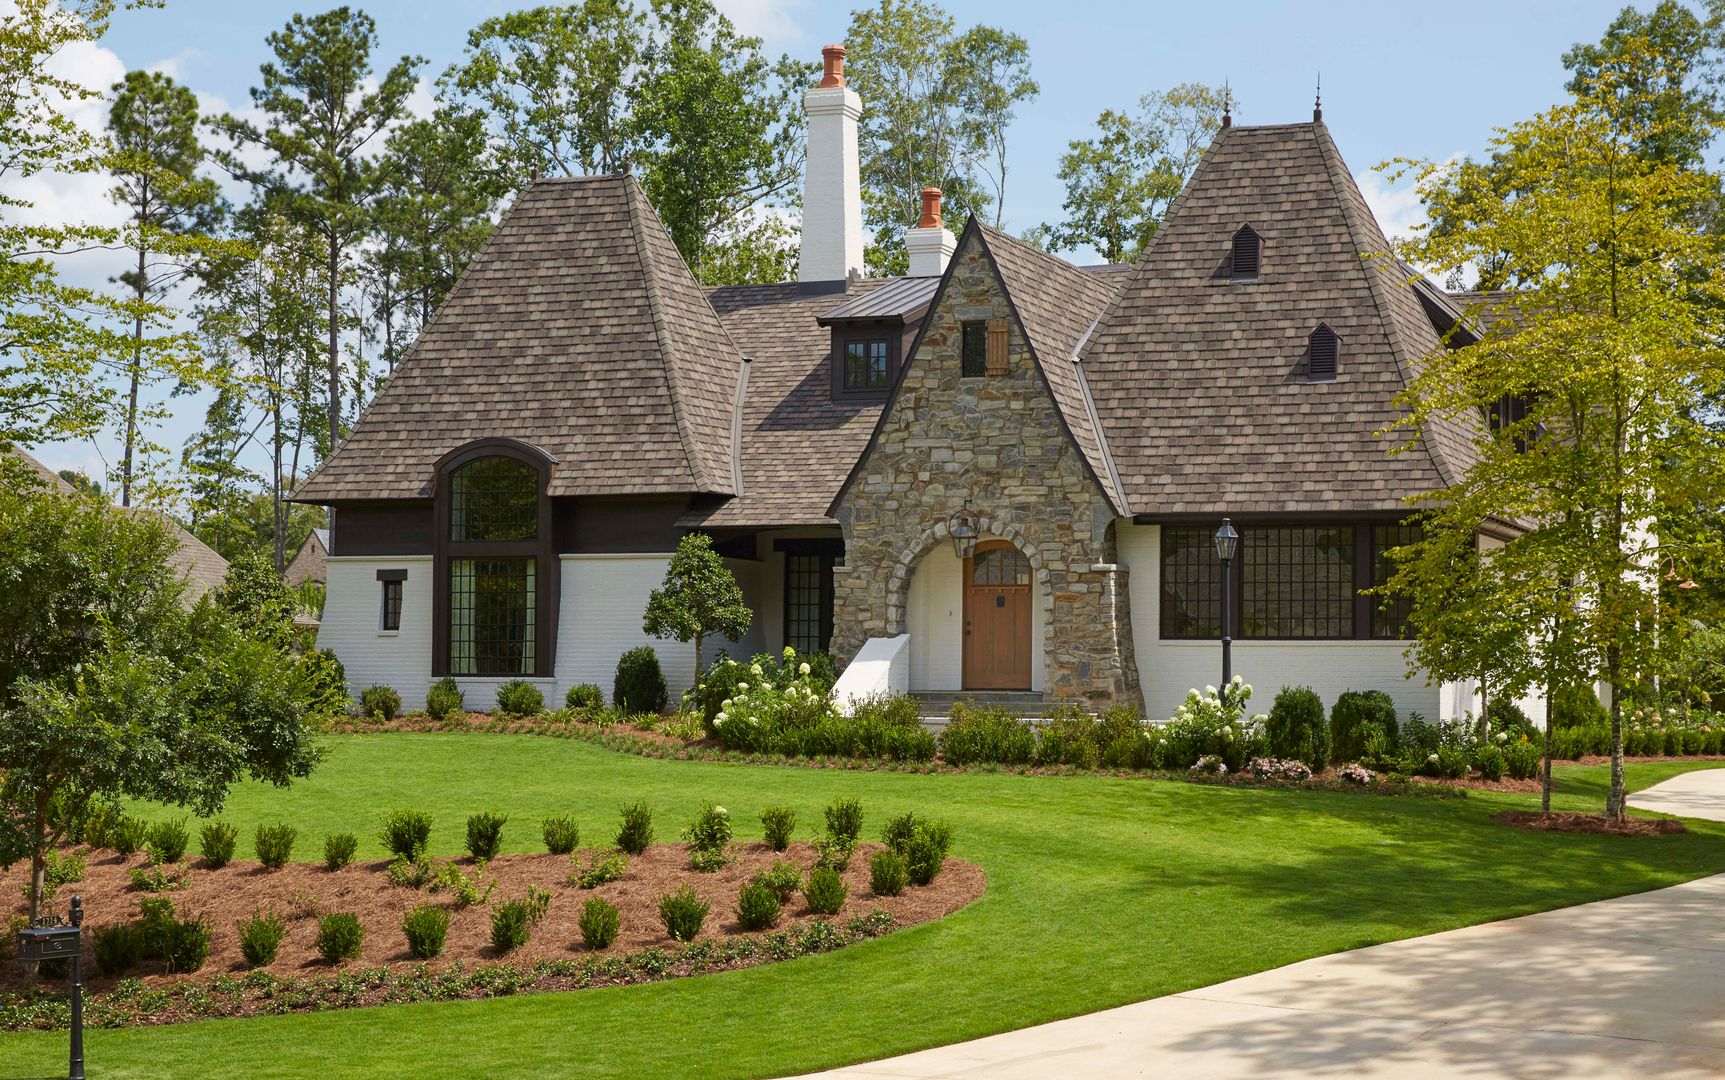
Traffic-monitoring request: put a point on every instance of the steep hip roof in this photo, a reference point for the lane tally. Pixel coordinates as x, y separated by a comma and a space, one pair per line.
578, 329
1200, 381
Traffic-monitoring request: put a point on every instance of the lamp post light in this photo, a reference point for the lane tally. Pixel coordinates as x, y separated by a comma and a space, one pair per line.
962, 526
1227, 542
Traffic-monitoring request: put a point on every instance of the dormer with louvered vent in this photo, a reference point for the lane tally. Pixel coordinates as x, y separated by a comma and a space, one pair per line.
1243, 261
1322, 348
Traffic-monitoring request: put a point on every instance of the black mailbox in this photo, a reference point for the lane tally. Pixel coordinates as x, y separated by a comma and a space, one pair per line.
47, 942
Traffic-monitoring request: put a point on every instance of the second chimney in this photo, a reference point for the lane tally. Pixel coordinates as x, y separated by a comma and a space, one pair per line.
832, 241
930, 245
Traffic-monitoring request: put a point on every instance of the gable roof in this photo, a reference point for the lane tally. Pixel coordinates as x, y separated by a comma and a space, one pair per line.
199, 566
1200, 381
577, 329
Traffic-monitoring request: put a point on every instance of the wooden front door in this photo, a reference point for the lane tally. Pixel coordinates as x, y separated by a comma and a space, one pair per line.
996, 618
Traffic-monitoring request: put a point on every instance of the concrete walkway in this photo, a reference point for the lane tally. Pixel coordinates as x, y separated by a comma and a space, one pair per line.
1625, 988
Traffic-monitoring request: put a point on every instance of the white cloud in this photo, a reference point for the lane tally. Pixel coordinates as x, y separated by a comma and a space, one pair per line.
174, 67
1397, 206
772, 20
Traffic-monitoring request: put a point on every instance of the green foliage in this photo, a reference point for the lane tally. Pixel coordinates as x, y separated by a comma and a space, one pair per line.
1351, 718
602, 867
155, 926
757, 906
168, 840
412, 873
485, 834
599, 923
1505, 717
1577, 706
639, 685
261, 937
834, 851
425, 926
708, 837
339, 937
682, 912
512, 920
154, 878
518, 697
635, 835
1296, 727
256, 595
338, 850
844, 819
976, 733
1489, 761
778, 822
825, 890
128, 835
216, 843
117, 948
444, 701
925, 852
274, 845
405, 832
378, 702
887, 873
698, 597
1523, 759
561, 834
447, 876
584, 696
1212, 723
783, 878
186, 945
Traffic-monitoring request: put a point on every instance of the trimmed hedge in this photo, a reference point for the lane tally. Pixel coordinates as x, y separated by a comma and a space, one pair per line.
1296, 727
1349, 717
639, 685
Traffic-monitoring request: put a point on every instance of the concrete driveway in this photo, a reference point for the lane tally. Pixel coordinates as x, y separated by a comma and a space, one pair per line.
1625, 988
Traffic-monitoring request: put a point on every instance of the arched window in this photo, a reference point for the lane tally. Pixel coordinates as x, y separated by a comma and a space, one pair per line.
1243, 265
498, 568
1322, 350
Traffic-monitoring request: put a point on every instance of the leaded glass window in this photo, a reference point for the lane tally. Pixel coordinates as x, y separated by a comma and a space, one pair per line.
808, 602
1390, 615
973, 362
1191, 583
866, 365
492, 616
1297, 582
999, 566
494, 499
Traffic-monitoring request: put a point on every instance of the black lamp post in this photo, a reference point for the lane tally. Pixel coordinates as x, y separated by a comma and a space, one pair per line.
1227, 541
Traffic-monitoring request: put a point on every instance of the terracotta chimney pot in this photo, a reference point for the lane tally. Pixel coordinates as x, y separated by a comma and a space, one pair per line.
930, 209
833, 66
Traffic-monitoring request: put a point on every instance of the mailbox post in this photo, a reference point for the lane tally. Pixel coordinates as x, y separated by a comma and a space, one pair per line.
62, 941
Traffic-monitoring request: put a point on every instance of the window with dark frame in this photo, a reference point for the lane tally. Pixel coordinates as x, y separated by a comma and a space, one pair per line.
866, 364
494, 499
808, 602
1300, 581
391, 605
973, 352
492, 579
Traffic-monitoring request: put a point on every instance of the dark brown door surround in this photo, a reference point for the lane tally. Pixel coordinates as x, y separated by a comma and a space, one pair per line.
997, 614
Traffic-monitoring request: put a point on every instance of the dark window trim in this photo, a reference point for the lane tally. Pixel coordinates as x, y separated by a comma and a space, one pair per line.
392, 575
833, 547
888, 331
392, 589
964, 329
547, 570
825, 555
1365, 607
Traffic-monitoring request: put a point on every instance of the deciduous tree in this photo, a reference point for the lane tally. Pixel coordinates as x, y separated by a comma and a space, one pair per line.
698, 597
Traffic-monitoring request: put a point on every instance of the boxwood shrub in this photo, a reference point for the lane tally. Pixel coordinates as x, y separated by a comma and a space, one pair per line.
444, 700
485, 834
339, 937
518, 697
635, 834
561, 834
274, 845
778, 823
757, 906
379, 702
425, 927
216, 843
825, 890
1350, 718
599, 922
1296, 727
683, 912
584, 696
338, 850
405, 832
261, 937
639, 685
887, 873
976, 733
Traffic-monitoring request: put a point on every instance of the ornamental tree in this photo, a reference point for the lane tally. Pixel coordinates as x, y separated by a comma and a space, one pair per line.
699, 596
111, 688
1595, 373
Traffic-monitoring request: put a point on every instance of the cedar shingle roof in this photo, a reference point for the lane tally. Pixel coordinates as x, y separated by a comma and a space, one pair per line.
578, 329
1200, 381
798, 443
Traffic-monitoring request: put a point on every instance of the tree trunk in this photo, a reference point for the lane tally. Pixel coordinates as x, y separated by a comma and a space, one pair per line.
698, 636
1545, 765
38, 857
1614, 808
136, 373
334, 268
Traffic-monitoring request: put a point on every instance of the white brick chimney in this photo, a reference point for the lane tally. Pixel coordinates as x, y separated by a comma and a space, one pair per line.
832, 244
930, 245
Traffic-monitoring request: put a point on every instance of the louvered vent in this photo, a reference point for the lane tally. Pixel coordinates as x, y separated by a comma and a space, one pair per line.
1246, 250
1322, 348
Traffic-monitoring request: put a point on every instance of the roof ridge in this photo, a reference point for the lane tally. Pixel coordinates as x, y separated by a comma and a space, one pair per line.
1358, 233
662, 334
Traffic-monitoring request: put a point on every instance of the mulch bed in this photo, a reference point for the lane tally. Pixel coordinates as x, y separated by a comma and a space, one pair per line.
1591, 824
303, 891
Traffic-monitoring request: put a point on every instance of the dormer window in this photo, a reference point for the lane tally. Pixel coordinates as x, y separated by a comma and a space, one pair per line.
1321, 353
1247, 248
866, 363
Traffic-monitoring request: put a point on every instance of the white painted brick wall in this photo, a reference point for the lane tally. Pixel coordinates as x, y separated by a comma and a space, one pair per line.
352, 615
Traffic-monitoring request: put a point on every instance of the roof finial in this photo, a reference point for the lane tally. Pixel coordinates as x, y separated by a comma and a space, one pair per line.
1227, 105
1318, 102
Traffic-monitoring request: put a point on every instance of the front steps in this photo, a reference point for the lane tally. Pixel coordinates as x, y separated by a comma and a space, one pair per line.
937, 705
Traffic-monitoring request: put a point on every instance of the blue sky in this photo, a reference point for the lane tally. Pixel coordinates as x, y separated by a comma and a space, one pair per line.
1398, 79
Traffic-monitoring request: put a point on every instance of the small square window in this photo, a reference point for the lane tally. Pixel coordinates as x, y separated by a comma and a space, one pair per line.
391, 606
974, 358
866, 365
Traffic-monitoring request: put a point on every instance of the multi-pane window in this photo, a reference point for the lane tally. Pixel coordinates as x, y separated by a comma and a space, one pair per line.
494, 499
808, 602
973, 355
866, 365
1297, 582
999, 566
1191, 583
391, 605
492, 616
1390, 615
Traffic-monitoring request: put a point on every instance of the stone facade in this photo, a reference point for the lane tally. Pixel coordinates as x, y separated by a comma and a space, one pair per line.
994, 445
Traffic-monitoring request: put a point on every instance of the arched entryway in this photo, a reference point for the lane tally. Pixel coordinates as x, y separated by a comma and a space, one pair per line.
999, 618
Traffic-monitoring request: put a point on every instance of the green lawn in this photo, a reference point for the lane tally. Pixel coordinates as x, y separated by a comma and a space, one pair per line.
1101, 892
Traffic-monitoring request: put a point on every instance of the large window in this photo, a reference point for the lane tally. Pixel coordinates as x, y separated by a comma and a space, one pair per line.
866, 364
496, 607
1298, 581
808, 602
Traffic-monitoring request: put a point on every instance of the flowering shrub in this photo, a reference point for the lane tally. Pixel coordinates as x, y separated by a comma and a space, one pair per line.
1279, 770
709, 835
765, 699
1209, 765
722, 681
1211, 724
1355, 774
